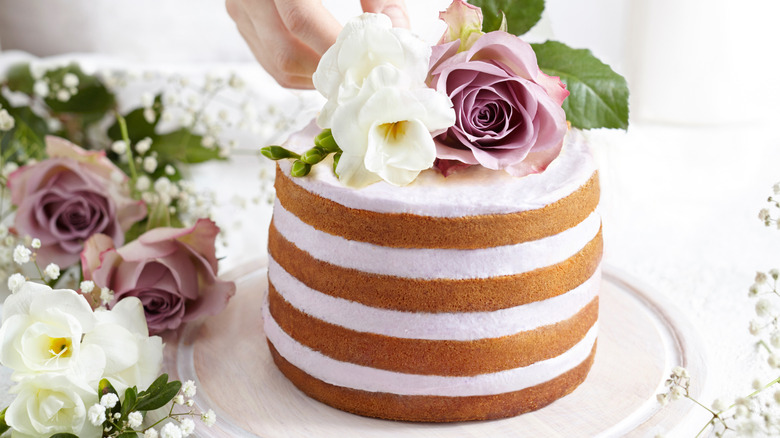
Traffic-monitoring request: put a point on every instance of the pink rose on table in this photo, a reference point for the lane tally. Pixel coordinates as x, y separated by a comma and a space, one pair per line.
508, 113
68, 197
173, 271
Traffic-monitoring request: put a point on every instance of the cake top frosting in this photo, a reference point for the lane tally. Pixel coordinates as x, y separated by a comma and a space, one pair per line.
397, 107
472, 191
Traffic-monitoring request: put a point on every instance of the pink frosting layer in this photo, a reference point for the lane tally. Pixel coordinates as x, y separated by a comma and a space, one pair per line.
364, 378
465, 326
436, 263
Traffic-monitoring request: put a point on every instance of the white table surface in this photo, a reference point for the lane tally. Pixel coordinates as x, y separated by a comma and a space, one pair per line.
680, 208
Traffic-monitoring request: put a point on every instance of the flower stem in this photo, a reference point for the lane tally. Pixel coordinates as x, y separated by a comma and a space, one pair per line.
705, 427
714, 414
128, 150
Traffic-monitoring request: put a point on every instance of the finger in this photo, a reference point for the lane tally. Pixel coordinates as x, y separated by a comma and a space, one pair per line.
310, 22
284, 57
294, 76
395, 9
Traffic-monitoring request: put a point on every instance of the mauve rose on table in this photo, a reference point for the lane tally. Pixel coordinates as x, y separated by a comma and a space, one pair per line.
508, 113
173, 271
68, 197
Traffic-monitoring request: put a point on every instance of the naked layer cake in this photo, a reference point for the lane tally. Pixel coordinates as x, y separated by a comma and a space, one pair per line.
435, 246
470, 297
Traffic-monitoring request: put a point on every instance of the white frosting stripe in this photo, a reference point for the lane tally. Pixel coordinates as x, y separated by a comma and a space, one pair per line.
478, 190
364, 378
436, 263
465, 326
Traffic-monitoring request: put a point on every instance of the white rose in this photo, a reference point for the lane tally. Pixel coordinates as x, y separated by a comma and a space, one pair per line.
366, 42
385, 131
42, 329
47, 404
132, 357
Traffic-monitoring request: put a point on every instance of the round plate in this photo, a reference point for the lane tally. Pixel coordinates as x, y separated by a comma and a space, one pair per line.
640, 340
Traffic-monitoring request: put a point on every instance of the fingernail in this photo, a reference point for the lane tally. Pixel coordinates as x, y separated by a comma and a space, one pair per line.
397, 16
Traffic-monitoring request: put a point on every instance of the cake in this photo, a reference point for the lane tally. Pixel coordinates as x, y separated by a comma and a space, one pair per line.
465, 298
435, 246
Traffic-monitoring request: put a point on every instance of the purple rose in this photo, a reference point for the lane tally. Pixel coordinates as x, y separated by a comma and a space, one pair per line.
68, 197
508, 113
173, 271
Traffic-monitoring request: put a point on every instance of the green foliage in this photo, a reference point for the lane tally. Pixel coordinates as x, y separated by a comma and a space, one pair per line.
129, 404
20, 79
183, 146
92, 97
160, 393
3, 425
138, 127
520, 16
599, 96
64, 435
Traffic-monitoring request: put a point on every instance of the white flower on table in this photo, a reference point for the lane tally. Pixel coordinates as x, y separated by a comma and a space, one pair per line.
47, 404
132, 357
385, 131
366, 42
42, 330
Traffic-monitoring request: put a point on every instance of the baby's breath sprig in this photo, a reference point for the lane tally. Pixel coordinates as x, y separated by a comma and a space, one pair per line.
24, 254
770, 216
757, 413
124, 417
324, 145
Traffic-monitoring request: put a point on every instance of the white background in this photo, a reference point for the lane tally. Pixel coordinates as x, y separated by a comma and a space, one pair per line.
682, 188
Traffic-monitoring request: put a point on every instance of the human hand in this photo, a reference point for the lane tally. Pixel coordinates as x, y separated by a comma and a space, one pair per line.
288, 37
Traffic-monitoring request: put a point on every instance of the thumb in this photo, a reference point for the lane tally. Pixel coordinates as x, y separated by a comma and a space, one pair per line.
395, 9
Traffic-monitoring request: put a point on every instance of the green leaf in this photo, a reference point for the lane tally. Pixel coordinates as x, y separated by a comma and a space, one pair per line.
3, 425
183, 146
64, 435
129, 404
27, 138
158, 384
128, 435
138, 127
599, 96
159, 397
520, 16
91, 97
19, 78
105, 387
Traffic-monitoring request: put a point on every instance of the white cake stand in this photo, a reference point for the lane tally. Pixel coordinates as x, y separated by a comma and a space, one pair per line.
640, 339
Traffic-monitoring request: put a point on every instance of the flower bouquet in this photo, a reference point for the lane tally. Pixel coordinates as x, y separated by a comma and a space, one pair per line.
479, 97
111, 245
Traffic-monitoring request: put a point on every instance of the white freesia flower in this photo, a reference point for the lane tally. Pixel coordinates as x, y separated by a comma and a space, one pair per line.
42, 330
385, 131
366, 42
52, 403
132, 357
